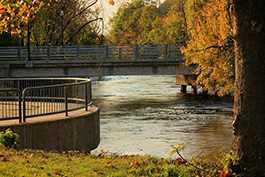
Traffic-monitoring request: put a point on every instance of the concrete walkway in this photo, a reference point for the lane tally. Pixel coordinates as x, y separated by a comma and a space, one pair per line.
52, 117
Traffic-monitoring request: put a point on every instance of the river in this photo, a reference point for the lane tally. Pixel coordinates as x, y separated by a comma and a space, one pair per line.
146, 114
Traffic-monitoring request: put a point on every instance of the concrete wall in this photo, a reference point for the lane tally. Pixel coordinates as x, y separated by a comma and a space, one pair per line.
76, 133
88, 68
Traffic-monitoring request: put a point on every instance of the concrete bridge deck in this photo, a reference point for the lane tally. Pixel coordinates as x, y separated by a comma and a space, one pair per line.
92, 68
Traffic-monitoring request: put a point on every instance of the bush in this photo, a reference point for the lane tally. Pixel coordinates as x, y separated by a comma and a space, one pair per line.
8, 138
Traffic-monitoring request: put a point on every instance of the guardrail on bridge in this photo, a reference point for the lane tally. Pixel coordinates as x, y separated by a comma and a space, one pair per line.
92, 52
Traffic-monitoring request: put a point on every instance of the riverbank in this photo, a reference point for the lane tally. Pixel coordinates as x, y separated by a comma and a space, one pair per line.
40, 163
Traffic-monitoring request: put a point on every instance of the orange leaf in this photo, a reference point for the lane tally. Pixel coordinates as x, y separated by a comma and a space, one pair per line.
2, 11
111, 2
223, 174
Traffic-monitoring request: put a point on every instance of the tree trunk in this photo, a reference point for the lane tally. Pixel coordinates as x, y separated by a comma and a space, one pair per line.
249, 105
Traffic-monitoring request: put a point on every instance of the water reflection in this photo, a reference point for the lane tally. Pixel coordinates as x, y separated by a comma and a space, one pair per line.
146, 114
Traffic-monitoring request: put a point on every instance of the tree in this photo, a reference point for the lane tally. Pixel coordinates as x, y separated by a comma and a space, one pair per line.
46, 25
73, 28
249, 112
125, 23
148, 15
136, 23
6, 39
15, 14
210, 44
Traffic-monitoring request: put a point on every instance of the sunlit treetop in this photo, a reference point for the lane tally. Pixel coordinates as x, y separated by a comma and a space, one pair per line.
210, 44
14, 14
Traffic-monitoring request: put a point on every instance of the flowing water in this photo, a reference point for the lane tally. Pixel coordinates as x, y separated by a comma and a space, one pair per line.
146, 114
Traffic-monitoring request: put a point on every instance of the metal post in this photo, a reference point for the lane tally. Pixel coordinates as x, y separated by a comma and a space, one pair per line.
66, 101
48, 53
136, 52
19, 106
18, 53
62, 14
24, 106
29, 57
77, 53
166, 51
107, 52
86, 97
90, 92
119, 53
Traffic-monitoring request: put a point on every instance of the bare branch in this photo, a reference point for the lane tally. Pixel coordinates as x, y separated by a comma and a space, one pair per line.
225, 47
74, 16
84, 26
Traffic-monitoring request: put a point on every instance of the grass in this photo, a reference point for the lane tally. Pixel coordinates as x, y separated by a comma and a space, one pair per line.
40, 163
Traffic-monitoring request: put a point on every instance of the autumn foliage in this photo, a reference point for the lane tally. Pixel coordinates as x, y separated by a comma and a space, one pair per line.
138, 23
210, 44
15, 14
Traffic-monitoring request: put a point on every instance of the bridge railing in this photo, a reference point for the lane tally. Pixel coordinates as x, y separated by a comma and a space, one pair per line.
22, 98
94, 52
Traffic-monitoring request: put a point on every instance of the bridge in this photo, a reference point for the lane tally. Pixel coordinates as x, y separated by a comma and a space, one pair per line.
93, 60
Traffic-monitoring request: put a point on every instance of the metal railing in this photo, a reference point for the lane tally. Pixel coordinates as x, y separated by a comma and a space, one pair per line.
10, 104
22, 98
94, 52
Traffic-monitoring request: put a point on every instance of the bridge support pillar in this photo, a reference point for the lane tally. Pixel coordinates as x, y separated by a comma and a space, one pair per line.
183, 89
194, 89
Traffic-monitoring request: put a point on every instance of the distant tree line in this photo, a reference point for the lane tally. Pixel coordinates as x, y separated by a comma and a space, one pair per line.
137, 23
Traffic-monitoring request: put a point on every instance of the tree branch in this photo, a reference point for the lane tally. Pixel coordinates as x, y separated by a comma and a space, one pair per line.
84, 26
74, 16
226, 47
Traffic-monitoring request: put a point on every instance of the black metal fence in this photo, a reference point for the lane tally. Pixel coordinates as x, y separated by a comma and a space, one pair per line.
22, 98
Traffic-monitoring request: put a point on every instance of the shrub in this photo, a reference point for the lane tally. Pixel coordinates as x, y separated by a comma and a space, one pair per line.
8, 138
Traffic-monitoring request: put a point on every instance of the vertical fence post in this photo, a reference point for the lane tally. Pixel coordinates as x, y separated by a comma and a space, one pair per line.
24, 106
66, 101
136, 52
48, 53
19, 106
119, 53
86, 96
90, 91
166, 51
18, 53
77, 52
107, 51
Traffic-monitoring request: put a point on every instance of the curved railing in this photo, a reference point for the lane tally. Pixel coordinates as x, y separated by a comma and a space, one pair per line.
22, 98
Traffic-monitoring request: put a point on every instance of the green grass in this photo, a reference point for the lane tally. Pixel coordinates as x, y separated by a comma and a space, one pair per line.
40, 163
